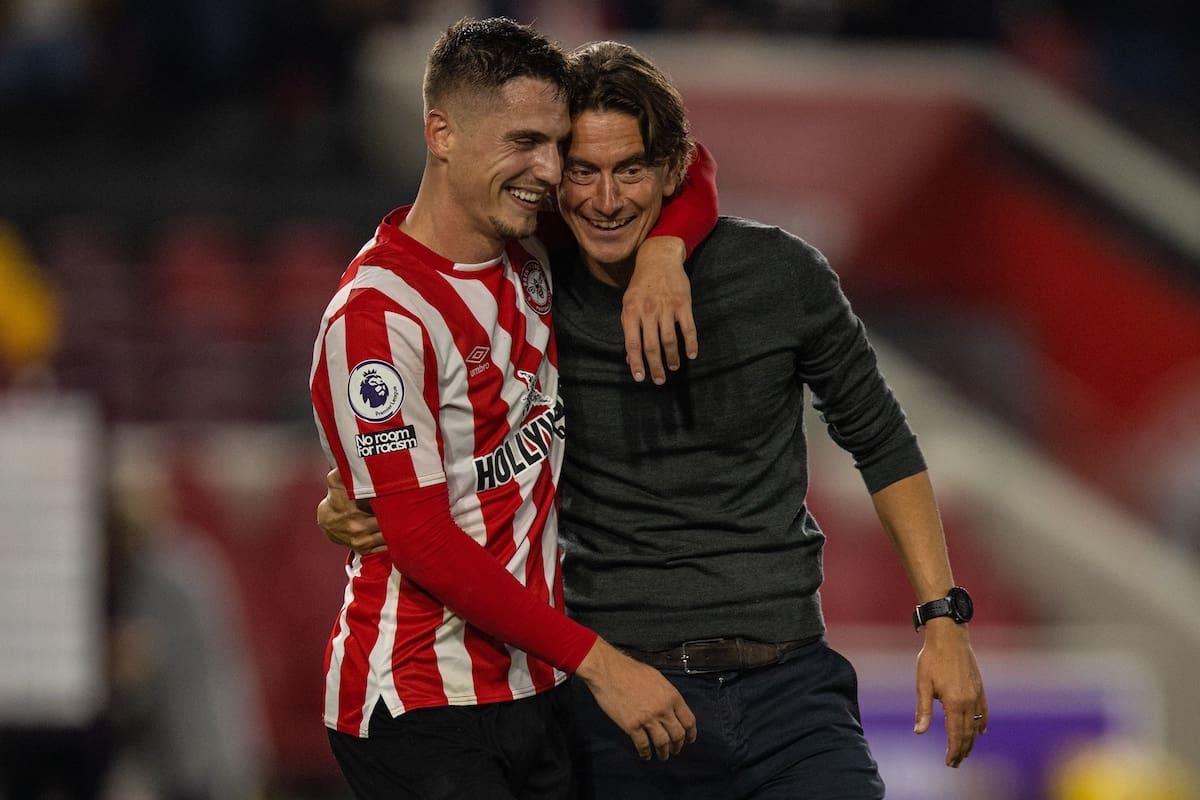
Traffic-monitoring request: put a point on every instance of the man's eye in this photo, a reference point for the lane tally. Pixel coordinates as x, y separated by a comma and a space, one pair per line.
631, 174
580, 175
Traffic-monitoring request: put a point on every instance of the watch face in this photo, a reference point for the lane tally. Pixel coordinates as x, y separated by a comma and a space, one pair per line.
960, 604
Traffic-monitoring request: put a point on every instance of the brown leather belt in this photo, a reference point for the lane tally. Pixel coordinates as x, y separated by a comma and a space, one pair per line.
717, 655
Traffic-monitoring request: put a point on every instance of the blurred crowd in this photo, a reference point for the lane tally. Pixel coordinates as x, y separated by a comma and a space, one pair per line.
140, 135
157, 65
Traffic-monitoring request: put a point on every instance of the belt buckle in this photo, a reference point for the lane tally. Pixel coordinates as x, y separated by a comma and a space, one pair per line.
683, 655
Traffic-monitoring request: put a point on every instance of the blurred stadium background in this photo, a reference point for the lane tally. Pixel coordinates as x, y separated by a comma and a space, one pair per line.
1009, 190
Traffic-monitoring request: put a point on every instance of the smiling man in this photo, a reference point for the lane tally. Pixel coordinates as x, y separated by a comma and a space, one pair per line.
687, 538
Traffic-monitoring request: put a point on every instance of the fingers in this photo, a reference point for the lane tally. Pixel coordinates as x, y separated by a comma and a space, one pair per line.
661, 740
947, 672
652, 346
668, 344
676, 737
640, 700
965, 721
687, 327
643, 742
348, 523
632, 330
327, 521
653, 339
960, 735
324, 514
974, 725
664, 737
333, 479
655, 347
687, 720
664, 733
644, 352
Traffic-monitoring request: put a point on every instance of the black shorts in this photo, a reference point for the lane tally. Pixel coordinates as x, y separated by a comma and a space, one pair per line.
501, 751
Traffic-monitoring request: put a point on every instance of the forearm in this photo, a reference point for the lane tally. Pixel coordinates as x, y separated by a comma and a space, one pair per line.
946, 668
429, 548
908, 511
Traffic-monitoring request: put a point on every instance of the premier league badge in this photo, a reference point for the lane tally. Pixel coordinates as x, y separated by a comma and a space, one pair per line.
375, 391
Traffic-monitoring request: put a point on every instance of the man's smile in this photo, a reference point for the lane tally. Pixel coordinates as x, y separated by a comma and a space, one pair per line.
529, 196
611, 224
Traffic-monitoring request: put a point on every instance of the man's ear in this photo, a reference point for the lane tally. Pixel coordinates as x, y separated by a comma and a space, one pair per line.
439, 133
677, 173
673, 180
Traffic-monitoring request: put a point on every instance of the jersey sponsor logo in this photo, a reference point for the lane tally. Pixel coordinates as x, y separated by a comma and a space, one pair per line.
375, 391
393, 440
526, 448
536, 284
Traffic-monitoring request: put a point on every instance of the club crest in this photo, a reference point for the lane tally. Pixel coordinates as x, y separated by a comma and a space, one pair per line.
536, 285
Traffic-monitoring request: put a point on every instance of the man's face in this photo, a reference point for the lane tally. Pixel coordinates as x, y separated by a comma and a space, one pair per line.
507, 156
610, 197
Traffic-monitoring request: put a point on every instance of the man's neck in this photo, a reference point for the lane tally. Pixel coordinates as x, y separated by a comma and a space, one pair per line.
441, 225
616, 275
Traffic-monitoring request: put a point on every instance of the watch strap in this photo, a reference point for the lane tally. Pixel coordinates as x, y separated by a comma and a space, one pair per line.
931, 610
957, 605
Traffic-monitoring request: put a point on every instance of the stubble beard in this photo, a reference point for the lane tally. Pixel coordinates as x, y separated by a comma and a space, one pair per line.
509, 231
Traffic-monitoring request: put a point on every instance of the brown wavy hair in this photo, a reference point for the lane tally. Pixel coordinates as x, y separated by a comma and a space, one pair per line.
610, 76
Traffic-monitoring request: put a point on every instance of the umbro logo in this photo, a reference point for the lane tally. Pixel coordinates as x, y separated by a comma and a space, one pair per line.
477, 358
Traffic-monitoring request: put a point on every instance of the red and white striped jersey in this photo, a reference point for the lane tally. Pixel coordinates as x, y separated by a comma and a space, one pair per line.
426, 371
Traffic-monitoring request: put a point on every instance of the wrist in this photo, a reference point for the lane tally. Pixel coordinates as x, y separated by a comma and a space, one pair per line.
944, 626
594, 664
668, 244
956, 606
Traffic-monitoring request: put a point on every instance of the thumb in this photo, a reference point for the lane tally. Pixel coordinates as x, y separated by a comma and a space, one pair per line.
924, 709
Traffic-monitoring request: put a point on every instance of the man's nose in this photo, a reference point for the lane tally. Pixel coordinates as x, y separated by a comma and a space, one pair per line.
608, 195
548, 167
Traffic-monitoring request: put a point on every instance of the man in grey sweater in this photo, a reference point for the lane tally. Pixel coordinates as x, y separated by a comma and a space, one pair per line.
688, 541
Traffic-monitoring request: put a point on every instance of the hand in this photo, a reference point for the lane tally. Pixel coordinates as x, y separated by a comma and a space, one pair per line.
347, 523
946, 671
640, 700
657, 300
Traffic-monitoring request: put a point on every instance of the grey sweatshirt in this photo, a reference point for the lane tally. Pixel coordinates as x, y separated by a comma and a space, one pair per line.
683, 511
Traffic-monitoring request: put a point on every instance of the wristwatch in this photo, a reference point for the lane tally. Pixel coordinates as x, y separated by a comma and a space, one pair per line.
956, 604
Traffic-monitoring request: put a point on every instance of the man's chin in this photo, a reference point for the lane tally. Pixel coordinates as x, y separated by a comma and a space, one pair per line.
514, 229
607, 254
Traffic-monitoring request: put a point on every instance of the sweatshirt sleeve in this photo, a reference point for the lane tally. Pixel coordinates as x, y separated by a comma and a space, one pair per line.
429, 547
850, 392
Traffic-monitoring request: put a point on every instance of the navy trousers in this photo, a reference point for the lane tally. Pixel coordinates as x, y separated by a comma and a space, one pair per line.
789, 731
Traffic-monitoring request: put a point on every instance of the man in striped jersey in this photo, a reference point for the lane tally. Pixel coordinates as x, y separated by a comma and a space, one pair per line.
435, 389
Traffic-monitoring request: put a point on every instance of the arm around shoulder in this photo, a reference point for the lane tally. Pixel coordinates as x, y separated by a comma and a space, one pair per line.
657, 308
